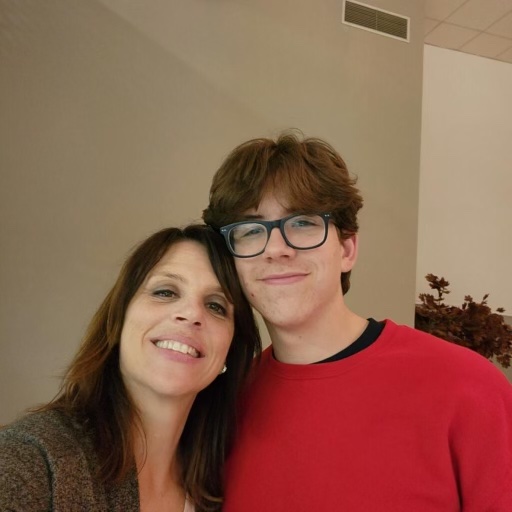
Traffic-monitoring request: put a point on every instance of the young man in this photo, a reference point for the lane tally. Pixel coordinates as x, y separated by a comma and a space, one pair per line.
345, 413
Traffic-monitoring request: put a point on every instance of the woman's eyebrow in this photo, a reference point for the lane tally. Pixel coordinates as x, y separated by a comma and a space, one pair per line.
177, 277
170, 275
218, 290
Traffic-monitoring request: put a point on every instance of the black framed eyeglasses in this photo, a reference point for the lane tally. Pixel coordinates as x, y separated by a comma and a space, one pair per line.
249, 238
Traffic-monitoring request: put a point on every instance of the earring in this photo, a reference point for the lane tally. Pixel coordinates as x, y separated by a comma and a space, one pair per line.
224, 368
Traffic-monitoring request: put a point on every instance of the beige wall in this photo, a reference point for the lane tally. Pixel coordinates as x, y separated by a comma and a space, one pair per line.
115, 115
465, 213
465, 208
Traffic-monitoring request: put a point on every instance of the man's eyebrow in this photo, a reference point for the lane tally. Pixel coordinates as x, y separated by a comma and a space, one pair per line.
251, 216
257, 216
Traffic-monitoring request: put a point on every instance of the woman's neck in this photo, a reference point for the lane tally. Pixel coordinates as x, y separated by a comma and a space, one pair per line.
156, 441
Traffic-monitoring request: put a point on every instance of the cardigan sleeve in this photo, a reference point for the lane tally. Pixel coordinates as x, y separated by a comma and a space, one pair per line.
24, 475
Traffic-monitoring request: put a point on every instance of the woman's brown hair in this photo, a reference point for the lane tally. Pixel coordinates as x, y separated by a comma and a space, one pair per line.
308, 173
93, 389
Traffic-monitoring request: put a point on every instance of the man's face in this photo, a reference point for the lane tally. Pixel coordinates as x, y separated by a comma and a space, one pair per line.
290, 288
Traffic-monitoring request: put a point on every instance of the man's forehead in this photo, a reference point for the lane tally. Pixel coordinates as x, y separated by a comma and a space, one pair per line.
271, 199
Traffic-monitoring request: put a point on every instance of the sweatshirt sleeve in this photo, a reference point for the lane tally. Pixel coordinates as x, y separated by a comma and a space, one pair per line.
481, 441
24, 475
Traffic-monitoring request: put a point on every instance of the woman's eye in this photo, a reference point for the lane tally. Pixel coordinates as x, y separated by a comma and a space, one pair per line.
217, 308
164, 293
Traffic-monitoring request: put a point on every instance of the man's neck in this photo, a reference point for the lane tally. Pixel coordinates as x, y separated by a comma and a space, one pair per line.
315, 342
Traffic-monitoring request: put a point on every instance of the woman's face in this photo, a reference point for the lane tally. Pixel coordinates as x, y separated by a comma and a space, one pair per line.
177, 329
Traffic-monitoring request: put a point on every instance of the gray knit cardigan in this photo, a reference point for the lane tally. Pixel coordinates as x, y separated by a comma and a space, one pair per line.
47, 463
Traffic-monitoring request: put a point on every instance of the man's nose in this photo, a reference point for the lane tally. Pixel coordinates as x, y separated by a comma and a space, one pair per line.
277, 246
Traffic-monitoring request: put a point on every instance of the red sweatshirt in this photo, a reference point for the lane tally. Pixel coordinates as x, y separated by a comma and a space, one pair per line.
410, 424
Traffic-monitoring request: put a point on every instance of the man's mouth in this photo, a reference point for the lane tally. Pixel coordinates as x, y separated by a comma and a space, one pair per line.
285, 278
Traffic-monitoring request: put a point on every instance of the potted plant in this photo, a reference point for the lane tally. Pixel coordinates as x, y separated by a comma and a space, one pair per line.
472, 325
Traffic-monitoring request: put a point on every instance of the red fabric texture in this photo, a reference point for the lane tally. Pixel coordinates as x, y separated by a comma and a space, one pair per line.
412, 423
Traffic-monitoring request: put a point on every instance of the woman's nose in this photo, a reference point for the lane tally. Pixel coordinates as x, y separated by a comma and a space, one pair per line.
189, 312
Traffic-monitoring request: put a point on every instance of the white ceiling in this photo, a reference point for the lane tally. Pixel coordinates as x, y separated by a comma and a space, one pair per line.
480, 27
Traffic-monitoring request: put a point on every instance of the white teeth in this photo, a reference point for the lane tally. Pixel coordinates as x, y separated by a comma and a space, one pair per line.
177, 347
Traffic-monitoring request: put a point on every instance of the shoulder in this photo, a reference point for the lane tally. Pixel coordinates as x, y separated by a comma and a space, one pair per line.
25, 476
40, 457
461, 391
34, 427
51, 431
401, 339
451, 369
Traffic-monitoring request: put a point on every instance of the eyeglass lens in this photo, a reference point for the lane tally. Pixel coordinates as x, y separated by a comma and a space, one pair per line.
299, 231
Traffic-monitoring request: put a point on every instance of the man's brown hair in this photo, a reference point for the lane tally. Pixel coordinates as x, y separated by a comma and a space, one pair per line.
308, 173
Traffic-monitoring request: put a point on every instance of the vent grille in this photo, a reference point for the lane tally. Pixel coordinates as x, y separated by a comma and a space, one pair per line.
376, 20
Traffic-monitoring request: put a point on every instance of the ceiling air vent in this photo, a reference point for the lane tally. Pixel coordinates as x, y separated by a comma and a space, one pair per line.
376, 20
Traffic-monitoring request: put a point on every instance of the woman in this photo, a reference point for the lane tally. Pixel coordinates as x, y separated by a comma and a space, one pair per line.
145, 415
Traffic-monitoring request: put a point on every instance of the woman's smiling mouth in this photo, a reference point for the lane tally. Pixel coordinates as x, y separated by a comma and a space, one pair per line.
177, 346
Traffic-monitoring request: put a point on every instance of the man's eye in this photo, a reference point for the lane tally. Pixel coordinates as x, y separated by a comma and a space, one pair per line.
304, 222
217, 308
164, 293
249, 231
